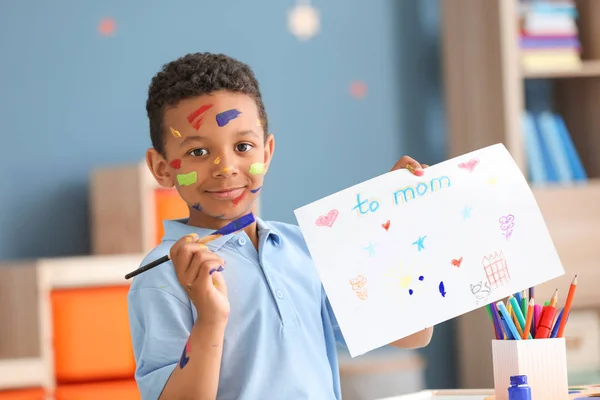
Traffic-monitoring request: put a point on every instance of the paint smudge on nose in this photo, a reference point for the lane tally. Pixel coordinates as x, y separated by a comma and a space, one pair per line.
256, 190
257, 168
195, 118
175, 132
237, 200
226, 170
175, 164
187, 179
226, 116
217, 160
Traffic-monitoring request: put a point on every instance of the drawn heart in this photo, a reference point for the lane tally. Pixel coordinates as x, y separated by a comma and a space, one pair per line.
456, 263
386, 226
469, 165
328, 219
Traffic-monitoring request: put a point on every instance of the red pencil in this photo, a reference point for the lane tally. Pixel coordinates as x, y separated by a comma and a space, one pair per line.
567, 309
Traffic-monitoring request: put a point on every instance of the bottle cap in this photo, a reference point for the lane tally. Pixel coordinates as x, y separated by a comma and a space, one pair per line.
518, 380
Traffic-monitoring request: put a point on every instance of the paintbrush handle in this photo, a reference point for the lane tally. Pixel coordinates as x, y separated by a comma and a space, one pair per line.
145, 268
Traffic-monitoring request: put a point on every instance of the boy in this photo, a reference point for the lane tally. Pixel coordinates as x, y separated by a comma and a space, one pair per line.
244, 316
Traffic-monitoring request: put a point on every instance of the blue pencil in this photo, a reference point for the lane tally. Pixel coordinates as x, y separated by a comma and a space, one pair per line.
518, 297
557, 324
508, 321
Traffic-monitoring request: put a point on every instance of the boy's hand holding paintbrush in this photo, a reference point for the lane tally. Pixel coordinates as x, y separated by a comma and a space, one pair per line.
199, 272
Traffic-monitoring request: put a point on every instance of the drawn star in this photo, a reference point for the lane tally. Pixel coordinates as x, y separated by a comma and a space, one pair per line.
371, 249
466, 212
419, 242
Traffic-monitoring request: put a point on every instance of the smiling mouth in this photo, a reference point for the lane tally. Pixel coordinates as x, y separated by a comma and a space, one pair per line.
226, 194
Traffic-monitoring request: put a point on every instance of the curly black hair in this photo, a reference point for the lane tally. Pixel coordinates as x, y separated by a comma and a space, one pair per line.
195, 75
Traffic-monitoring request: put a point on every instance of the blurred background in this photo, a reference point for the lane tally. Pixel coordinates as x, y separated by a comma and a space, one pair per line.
349, 87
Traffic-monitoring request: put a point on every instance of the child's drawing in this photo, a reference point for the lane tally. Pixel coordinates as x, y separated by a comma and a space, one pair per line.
496, 270
327, 219
370, 249
425, 269
507, 224
442, 289
469, 165
419, 242
457, 262
481, 290
358, 285
386, 225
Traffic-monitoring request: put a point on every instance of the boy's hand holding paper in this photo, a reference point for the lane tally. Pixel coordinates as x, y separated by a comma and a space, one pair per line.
401, 252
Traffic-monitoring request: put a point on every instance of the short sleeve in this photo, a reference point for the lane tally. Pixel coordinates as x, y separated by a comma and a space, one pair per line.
160, 325
339, 337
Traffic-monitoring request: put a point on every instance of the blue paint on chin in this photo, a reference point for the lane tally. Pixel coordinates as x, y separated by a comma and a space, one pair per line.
226, 116
197, 206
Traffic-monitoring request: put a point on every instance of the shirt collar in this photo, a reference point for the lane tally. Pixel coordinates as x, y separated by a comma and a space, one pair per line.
178, 228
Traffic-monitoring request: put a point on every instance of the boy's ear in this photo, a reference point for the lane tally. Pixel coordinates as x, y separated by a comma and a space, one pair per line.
269, 149
158, 166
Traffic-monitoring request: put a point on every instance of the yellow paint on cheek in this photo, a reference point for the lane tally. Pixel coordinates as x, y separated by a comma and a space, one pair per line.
175, 132
217, 160
257, 168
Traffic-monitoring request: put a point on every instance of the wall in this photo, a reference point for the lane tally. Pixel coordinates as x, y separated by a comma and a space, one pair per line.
73, 100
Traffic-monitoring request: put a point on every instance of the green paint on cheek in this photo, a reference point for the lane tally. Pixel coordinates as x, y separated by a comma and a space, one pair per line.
187, 179
257, 168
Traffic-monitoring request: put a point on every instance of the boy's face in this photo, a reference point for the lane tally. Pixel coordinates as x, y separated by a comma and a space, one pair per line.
216, 156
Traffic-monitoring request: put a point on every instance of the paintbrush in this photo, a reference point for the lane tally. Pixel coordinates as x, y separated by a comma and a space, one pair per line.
231, 227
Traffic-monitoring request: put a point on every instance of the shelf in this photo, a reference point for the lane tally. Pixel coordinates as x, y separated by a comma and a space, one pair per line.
587, 69
24, 372
572, 216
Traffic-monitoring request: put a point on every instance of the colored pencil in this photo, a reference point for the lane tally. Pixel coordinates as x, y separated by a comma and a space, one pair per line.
497, 324
524, 303
531, 292
507, 333
518, 297
510, 325
231, 227
527, 330
554, 299
557, 324
567, 308
518, 313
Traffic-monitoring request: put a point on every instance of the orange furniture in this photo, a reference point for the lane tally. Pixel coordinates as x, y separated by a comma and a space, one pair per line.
23, 394
117, 390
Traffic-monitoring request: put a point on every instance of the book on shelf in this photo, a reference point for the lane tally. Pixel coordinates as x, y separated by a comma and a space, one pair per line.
549, 37
551, 154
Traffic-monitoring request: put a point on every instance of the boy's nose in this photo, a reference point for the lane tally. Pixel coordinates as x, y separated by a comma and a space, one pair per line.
225, 171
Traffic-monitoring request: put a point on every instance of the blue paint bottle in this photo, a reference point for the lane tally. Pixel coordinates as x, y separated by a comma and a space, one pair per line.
519, 389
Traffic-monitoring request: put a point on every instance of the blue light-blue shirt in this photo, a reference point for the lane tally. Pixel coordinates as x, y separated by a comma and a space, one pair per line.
280, 340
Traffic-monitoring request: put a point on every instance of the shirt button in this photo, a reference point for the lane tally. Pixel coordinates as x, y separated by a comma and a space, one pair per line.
279, 294
241, 241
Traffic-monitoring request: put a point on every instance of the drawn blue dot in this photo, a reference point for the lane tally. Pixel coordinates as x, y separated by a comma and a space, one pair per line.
410, 291
421, 277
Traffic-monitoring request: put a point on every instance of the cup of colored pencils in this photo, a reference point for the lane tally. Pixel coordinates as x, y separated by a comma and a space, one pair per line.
520, 318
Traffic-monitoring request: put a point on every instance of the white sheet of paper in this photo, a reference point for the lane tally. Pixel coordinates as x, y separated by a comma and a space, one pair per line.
399, 253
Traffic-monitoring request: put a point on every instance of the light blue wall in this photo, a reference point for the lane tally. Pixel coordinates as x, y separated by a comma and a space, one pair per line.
72, 100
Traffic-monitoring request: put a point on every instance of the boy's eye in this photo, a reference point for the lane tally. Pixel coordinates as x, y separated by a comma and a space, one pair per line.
244, 147
198, 152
